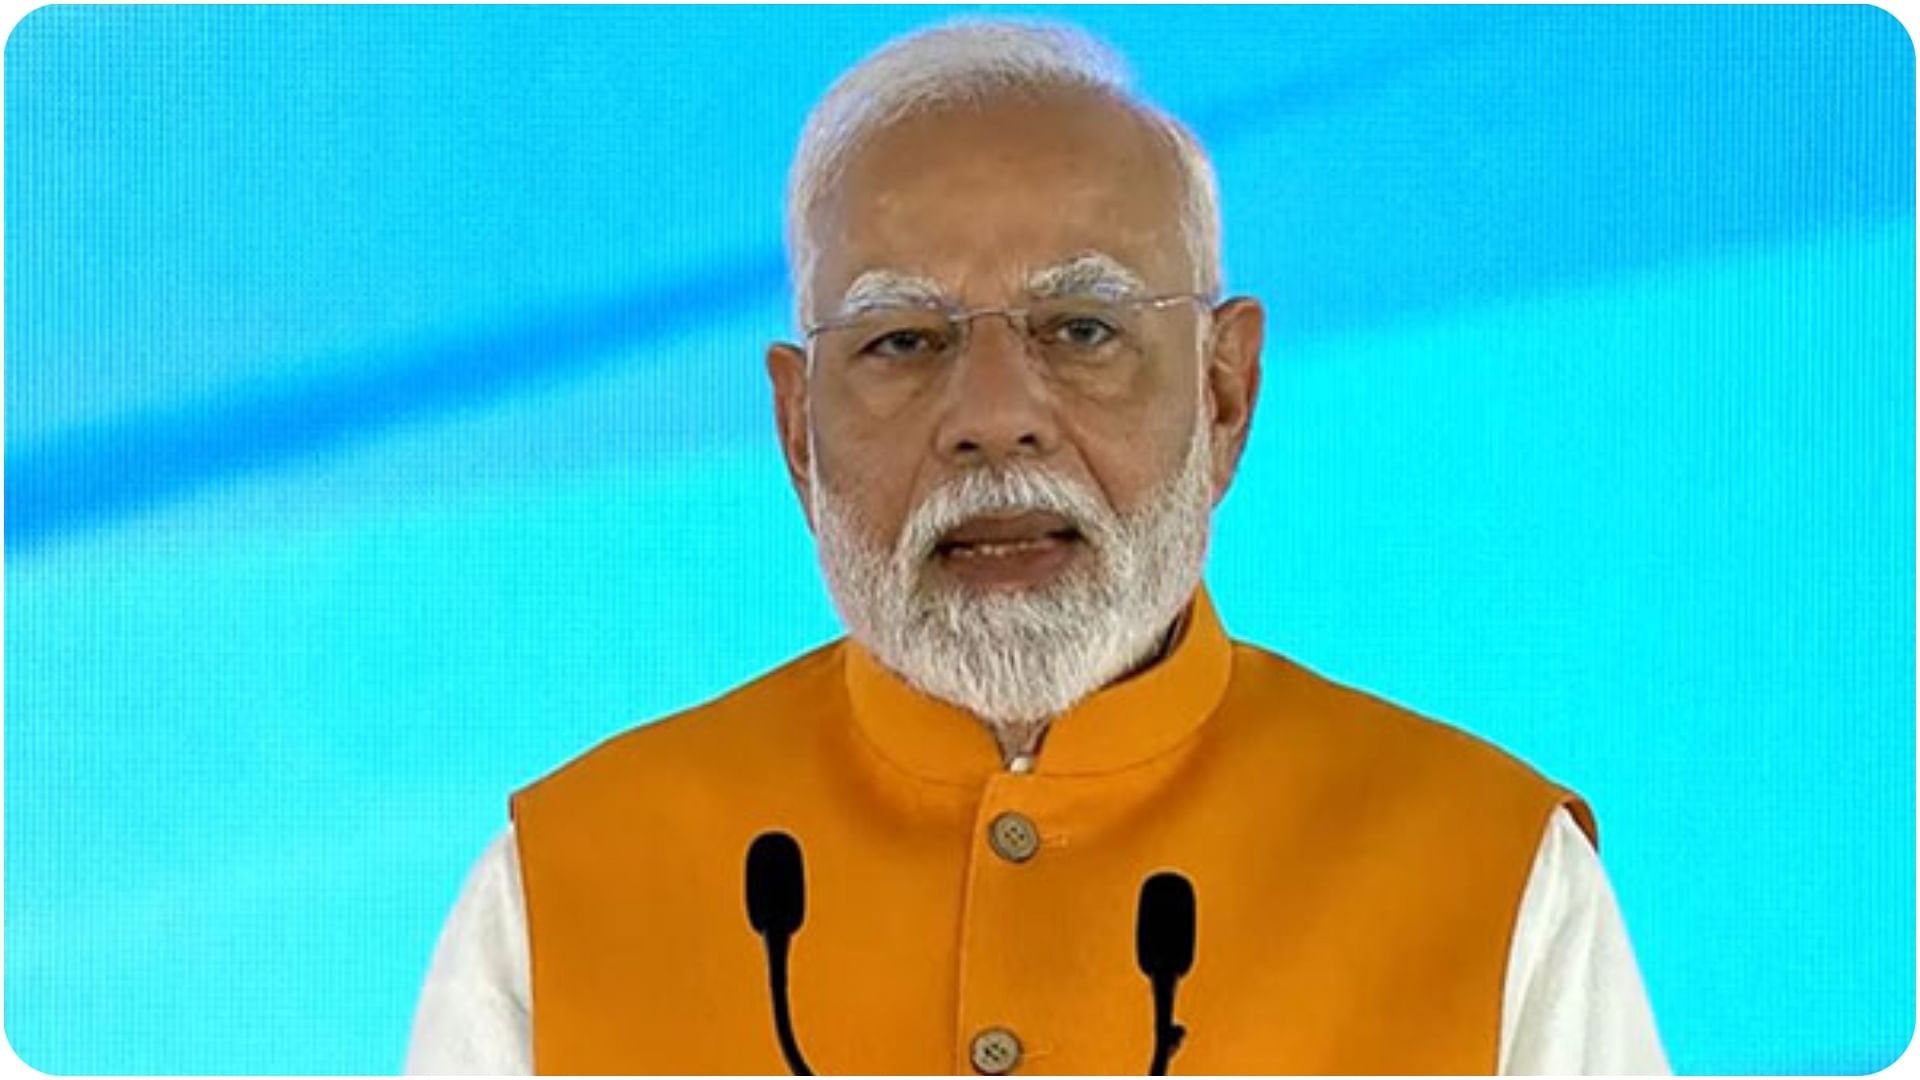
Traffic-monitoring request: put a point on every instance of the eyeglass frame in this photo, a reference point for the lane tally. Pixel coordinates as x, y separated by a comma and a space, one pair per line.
962, 317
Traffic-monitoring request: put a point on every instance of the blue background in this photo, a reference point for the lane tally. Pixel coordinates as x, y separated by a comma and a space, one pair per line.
385, 424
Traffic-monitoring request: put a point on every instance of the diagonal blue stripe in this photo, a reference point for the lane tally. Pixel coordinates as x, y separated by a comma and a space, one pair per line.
96, 475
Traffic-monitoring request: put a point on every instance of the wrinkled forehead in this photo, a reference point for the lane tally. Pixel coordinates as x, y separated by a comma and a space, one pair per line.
998, 203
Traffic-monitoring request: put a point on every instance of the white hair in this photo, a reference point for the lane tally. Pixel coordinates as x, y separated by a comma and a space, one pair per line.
1018, 657
971, 61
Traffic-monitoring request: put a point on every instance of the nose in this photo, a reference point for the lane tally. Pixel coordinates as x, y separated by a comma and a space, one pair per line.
998, 405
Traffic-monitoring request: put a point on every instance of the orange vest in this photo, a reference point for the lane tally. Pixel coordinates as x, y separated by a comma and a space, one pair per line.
1357, 870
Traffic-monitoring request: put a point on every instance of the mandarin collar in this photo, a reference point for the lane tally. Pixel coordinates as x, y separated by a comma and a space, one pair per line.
1125, 724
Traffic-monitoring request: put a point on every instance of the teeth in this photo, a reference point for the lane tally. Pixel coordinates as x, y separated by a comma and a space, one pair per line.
1000, 548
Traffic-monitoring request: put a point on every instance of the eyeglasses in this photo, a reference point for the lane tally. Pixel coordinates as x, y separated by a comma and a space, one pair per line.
1077, 329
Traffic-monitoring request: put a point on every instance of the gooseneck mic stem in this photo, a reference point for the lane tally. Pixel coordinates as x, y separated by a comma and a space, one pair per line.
1163, 942
776, 906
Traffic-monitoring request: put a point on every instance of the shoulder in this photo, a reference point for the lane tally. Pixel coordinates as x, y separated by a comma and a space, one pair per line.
1358, 735
751, 726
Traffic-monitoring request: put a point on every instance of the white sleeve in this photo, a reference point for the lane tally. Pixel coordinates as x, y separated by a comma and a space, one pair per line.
473, 1017
1574, 1003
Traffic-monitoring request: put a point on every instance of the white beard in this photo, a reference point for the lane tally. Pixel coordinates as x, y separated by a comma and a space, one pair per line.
1016, 657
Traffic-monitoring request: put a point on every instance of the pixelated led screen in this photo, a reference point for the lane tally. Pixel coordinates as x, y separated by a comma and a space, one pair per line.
386, 423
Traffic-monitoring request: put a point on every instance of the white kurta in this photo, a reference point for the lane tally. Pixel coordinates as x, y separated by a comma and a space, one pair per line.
1573, 1004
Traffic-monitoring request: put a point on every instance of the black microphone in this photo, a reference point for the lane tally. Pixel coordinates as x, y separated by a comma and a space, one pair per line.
776, 906
1163, 943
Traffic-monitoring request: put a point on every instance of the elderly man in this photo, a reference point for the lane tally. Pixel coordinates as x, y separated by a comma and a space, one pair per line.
1016, 399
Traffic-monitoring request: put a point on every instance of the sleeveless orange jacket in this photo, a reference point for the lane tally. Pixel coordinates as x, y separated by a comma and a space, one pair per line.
1357, 869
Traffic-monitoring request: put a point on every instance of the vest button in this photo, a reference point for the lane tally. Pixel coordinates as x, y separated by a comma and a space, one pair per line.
1013, 837
995, 1051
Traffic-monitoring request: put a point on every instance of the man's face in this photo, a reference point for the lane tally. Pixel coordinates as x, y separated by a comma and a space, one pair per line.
1062, 205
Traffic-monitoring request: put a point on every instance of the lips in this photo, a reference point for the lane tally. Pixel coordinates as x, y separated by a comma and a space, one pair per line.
1005, 535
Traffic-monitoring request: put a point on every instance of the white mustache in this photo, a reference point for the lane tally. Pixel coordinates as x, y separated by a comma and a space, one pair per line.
1002, 491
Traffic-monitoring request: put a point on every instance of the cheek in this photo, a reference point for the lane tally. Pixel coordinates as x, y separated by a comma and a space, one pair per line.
877, 431
868, 473
879, 398
1133, 452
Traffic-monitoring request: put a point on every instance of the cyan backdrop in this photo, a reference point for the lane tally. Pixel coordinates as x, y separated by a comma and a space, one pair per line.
385, 424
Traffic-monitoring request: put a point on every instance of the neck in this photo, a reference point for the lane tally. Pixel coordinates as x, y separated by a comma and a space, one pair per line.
1020, 740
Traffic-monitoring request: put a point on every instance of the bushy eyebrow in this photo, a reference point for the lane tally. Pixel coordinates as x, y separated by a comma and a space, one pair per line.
879, 289
1088, 274
1091, 273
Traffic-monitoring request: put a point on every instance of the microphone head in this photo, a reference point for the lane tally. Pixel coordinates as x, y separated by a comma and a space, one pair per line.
1163, 938
776, 884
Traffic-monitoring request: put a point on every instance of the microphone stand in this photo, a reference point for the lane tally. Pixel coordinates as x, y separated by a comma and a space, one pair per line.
776, 907
1167, 1034
782, 1016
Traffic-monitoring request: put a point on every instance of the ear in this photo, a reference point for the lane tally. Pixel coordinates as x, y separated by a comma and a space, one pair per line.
1233, 383
787, 370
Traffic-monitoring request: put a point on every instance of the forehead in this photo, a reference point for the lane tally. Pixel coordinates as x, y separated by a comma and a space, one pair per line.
979, 198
